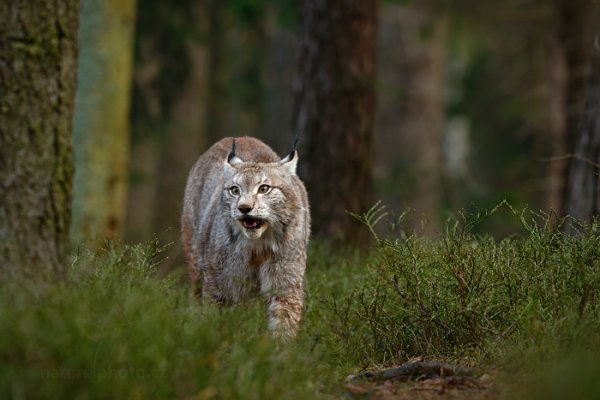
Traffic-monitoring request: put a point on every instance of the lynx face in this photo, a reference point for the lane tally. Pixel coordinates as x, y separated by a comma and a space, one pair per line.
255, 194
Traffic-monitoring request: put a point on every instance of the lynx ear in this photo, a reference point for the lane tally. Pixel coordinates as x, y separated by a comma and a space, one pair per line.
291, 160
232, 158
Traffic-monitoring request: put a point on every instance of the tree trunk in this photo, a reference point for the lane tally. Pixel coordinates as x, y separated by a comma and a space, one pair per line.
38, 59
101, 130
425, 116
577, 32
334, 111
410, 112
583, 192
554, 139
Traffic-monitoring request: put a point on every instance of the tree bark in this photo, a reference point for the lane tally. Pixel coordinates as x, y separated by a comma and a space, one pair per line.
101, 126
334, 111
583, 191
38, 59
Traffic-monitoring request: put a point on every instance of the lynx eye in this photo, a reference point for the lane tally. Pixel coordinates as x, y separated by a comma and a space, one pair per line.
234, 191
264, 189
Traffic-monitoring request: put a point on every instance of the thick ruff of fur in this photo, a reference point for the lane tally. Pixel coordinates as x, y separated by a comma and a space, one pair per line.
245, 229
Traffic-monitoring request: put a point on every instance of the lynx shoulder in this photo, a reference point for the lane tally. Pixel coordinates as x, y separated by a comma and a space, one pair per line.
245, 229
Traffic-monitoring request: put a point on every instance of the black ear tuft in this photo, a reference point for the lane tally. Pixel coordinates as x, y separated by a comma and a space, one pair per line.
290, 156
294, 144
231, 155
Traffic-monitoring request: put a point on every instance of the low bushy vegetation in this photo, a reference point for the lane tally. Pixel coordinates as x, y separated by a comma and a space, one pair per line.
470, 295
113, 329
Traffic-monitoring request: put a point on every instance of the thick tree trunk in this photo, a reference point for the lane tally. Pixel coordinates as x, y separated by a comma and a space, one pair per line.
583, 192
334, 110
38, 59
101, 130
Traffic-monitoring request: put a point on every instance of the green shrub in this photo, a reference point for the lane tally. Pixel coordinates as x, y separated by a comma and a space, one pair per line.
468, 295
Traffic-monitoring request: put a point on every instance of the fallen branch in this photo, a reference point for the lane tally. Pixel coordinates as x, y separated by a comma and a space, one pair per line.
414, 370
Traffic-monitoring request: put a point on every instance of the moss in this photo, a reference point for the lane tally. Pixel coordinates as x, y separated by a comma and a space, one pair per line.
24, 49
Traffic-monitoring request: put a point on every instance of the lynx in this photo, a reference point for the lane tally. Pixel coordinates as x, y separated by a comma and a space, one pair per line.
245, 229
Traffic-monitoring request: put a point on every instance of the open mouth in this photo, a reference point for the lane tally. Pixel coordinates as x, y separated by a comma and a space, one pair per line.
252, 223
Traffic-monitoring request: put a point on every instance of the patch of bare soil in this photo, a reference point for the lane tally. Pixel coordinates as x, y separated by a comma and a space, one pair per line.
421, 380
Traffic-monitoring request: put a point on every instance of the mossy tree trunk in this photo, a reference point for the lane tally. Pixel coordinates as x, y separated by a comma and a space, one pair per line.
101, 130
334, 111
38, 59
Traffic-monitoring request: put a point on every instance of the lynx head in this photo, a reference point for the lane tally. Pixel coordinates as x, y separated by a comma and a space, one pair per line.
257, 195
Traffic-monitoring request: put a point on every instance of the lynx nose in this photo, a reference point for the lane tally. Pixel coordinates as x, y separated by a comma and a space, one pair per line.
244, 208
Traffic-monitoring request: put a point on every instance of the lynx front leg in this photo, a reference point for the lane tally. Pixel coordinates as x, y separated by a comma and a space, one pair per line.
283, 288
285, 312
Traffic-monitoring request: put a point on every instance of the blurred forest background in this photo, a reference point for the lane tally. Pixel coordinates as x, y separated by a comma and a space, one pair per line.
473, 104
432, 106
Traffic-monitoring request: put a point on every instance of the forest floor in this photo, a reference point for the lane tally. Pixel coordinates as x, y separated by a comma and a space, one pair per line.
514, 318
